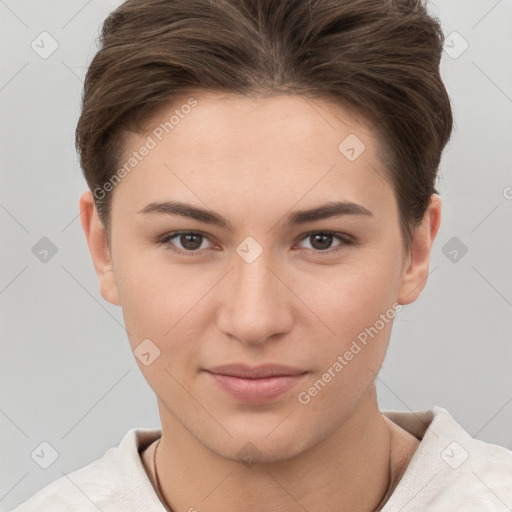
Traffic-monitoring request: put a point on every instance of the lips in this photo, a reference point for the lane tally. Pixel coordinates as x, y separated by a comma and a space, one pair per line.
255, 384
256, 372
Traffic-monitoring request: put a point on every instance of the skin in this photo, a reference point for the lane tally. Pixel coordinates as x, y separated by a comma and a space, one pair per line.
254, 161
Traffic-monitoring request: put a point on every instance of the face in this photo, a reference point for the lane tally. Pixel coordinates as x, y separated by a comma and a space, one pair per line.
254, 280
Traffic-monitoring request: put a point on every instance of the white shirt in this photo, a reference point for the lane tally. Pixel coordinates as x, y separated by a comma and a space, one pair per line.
450, 471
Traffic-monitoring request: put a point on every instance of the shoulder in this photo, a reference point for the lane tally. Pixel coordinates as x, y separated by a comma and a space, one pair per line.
106, 484
450, 469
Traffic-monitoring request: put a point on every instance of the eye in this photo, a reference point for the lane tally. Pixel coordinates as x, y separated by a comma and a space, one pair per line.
322, 240
191, 241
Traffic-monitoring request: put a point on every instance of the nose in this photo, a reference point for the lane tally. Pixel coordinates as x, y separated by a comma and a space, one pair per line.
255, 302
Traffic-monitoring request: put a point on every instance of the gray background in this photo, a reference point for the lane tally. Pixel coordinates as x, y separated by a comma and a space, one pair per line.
68, 376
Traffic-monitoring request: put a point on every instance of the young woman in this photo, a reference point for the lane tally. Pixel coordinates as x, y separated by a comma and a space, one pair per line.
262, 204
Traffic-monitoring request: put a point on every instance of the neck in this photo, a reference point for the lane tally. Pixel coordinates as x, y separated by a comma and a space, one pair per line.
351, 467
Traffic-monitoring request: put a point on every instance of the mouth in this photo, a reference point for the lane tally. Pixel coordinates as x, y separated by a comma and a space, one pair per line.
257, 384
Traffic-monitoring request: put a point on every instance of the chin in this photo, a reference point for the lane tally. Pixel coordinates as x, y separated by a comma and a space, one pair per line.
264, 442
262, 451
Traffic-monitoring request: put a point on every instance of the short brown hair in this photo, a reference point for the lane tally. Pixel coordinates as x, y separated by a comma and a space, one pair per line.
380, 56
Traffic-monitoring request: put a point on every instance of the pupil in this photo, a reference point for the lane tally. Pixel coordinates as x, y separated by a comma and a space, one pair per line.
185, 241
327, 239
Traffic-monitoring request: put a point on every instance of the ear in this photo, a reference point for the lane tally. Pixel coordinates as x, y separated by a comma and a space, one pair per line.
415, 273
97, 242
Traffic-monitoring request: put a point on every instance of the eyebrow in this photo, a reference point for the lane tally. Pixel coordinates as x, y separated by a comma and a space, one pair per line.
325, 211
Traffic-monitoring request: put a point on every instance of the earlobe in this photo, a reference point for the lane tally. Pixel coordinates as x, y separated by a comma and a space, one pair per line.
415, 273
97, 242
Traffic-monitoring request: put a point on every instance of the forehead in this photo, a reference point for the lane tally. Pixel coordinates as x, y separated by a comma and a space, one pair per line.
268, 122
280, 148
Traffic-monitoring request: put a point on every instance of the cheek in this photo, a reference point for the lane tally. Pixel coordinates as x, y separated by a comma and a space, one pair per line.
347, 362
146, 289
157, 313
160, 303
352, 321
349, 297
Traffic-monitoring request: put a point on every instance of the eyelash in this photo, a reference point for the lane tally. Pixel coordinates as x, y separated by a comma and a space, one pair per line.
346, 239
